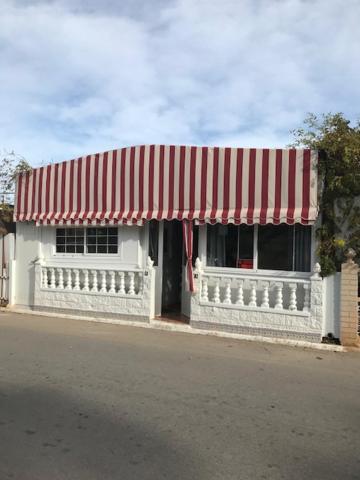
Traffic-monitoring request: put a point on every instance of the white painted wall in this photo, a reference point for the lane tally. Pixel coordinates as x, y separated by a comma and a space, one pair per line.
331, 322
34, 242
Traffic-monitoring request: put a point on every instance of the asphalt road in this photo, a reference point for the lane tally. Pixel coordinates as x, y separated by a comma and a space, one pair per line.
81, 400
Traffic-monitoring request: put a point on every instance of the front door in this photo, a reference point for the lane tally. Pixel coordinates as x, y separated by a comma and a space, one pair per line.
172, 267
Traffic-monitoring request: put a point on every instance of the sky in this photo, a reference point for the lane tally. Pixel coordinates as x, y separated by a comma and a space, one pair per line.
84, 76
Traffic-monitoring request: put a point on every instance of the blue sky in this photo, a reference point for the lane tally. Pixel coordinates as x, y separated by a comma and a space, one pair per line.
82, 76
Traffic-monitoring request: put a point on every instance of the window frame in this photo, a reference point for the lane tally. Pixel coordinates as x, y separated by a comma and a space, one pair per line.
255, 269
85, 253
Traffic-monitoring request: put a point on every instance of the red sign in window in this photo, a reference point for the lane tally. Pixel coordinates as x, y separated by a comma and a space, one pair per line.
245, 263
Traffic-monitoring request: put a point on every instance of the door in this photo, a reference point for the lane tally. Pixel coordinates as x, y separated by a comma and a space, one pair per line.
172, 267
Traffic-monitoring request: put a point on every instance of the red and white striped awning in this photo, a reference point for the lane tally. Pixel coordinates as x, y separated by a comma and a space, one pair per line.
205, 184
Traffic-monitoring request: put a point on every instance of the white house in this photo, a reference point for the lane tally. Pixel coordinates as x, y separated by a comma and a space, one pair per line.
221, 236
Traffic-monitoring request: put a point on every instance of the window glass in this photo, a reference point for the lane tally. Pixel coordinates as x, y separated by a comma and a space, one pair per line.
230, 245
98, 240
102, 240
284, 247
69, 240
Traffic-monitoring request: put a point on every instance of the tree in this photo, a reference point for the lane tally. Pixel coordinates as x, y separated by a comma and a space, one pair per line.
338, 143
11, 165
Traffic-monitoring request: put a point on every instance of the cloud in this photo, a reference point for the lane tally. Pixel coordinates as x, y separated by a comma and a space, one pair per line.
85, 76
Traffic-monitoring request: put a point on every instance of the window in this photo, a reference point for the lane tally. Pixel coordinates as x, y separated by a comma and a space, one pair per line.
70, 240
284, 247
96, 239
230, 245
279, 247
102, 240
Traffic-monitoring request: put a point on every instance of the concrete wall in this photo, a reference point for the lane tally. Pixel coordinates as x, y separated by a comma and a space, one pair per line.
26, 253
331, 322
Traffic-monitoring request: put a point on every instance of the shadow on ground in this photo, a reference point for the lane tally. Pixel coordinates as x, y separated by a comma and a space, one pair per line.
67, 438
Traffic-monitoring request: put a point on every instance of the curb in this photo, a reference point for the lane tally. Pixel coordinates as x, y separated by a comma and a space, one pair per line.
170, 327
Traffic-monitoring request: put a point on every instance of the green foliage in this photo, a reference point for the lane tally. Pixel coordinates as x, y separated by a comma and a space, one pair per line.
10, 166
338, 143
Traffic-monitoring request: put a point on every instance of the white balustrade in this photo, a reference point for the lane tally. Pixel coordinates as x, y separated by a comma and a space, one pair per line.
60, 278
252, 302
279, 295
306, 298
129, 283
216, 298
122, 283
289, 295
103, 281
265, 295
227, 298
240, 293
293, 300
205, 290
86, 280
52, 278
112, 282
77, 279
94, 287
44, 277
68, 279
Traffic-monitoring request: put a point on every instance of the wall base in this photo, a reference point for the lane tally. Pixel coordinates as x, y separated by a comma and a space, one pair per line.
91, 314
263, 332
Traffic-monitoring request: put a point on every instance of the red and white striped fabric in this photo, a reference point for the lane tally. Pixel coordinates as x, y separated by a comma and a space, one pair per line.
205, 184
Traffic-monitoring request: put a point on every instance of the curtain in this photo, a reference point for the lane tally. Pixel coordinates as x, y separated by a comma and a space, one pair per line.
188, 244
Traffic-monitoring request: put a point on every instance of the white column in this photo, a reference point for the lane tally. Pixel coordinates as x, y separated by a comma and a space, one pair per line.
227, 298
86, 280
265, 295
216, 297
205, 290
293, 301
77, 279
103, 281
253, 302
52, 278
240, 293
306, 297
122, 283
94, 287
60, 278
68, 279
131, 283
112, 281
279, 296
44, 277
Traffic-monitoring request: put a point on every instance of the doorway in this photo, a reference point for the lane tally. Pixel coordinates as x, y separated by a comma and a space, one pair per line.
172, 268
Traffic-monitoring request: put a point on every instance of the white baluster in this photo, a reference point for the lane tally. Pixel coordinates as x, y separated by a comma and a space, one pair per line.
86, 280
293, 302
68, 279
265, 295
240, 293
205, 290
278, 296
94, 287
103, 281
112, 281
131, 283
77, 279
227, 298
216, 297
306, 297
60, 278
44, 277
122, 283
52, 278
253, 302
